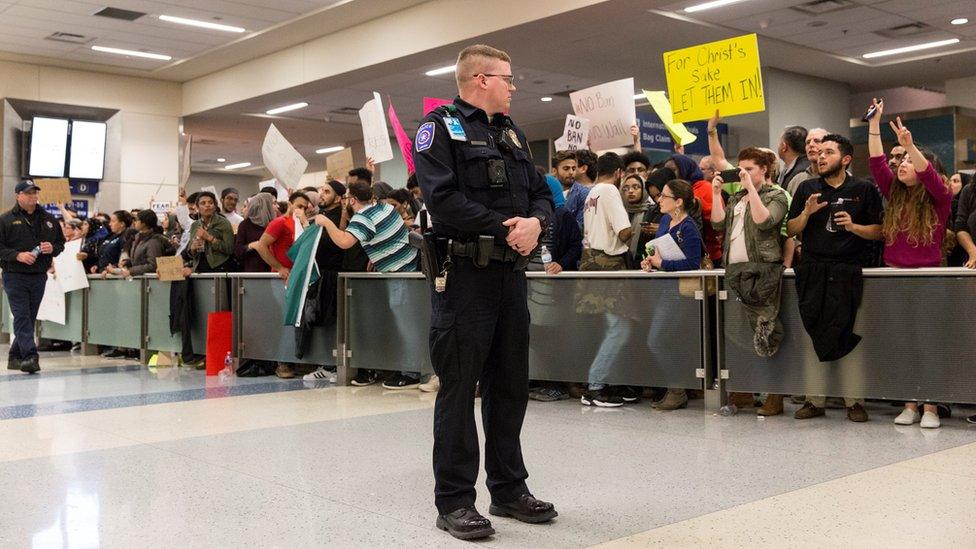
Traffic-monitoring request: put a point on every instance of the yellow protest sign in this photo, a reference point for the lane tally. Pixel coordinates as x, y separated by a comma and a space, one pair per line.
659, 102
721, 75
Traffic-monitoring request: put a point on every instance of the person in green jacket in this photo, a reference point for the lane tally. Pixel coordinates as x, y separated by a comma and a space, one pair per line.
211, 238
753, 250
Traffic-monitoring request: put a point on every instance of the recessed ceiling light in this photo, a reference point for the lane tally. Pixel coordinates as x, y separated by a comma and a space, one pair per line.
132, 53
906, 49
442, 70
201, 24
237, 166
286, 108
221, 160
545, 99
959, 21
711, 5
328, 150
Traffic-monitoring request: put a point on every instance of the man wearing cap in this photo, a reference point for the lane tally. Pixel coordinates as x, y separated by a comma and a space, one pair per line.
29, 239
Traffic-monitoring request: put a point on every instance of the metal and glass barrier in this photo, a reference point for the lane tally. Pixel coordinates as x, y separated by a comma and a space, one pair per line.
619, 328
259, 306
917, 328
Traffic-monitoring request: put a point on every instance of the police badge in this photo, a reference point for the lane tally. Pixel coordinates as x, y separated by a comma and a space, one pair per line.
514, 137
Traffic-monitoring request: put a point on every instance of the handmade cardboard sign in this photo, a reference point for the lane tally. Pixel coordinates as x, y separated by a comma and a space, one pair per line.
721, 75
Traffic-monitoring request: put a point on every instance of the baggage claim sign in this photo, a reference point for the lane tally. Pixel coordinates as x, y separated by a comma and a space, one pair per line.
721, 75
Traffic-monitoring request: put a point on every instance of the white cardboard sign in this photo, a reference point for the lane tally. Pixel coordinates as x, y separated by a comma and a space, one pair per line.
69, 271
575, 133
376, 136
611, 112
281, 159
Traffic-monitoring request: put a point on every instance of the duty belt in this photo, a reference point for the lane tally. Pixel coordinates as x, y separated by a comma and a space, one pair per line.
497, 253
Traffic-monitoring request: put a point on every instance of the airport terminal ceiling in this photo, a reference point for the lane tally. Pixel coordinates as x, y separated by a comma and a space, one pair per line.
552, 56
585, 47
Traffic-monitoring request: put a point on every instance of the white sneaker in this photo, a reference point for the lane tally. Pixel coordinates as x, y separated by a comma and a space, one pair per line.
907, 417
320, 375
432, 386
930, 420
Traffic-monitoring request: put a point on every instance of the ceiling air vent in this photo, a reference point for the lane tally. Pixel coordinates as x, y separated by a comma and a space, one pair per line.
901, 31
69, 38
118, 13
820, 7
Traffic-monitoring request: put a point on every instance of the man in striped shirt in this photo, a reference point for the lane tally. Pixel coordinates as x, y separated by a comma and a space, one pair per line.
378, 227
381, 231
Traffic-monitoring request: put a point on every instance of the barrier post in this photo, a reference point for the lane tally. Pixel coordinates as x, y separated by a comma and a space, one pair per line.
719, 374
87, 349
341, 352
144, 321
237, 314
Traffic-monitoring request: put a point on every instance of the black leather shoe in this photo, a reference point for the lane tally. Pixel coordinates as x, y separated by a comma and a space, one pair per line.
465, 523
29, 365
526, 509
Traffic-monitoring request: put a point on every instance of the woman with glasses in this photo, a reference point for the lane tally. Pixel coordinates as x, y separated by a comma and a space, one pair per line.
679, 205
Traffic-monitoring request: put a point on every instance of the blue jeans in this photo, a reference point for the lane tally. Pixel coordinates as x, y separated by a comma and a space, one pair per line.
24, 294
614, 342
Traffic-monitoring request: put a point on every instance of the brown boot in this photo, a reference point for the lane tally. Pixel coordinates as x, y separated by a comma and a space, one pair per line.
673, 400
742, 400
857, 413
772, 407
809, 411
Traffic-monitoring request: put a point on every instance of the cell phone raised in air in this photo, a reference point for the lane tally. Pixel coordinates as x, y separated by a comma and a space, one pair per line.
872, 110
730, 176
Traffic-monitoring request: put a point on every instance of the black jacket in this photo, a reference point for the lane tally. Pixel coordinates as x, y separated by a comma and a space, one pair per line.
473, 183
22, 232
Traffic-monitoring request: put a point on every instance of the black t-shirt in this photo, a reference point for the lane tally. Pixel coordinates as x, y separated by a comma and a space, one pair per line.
861, 199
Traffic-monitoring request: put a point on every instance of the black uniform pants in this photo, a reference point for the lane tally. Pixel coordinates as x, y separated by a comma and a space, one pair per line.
479, 332
24, 294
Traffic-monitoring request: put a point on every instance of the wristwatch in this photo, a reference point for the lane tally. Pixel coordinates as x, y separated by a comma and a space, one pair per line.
543, 221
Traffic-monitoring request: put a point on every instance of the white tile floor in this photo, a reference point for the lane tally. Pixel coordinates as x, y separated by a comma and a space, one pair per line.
132, 458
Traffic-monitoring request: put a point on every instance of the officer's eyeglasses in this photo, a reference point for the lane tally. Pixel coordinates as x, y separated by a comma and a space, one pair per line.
508, 78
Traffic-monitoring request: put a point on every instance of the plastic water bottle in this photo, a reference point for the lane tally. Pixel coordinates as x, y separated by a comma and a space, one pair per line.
228, 371
36, 251
728, 410
545, 256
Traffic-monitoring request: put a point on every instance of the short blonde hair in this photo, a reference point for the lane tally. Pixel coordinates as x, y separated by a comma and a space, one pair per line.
472, 60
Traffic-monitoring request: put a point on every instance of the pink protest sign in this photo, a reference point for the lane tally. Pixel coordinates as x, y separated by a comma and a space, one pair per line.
406, 145
431, 103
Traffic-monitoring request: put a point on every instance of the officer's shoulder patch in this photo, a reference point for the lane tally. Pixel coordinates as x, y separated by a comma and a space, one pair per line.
425, 136
50, 225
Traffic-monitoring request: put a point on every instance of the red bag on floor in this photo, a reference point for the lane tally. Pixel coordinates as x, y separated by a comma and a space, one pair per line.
219, 336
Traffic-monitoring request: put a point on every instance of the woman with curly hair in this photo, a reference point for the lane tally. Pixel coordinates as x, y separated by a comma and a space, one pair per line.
919, 203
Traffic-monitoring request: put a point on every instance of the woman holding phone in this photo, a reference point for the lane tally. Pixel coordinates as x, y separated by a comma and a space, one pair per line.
919, 203
752, 222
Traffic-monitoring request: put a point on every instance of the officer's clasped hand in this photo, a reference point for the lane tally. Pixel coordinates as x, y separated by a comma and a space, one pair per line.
26, 258
523, 233
46, 248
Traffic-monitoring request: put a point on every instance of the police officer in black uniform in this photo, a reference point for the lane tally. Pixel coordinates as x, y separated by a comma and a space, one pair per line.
29, 239
488, 206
